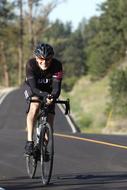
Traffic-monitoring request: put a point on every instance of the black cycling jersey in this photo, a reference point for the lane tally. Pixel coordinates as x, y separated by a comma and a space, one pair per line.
44, 82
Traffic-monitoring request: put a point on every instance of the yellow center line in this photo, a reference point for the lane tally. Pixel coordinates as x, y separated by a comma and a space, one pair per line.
90, 140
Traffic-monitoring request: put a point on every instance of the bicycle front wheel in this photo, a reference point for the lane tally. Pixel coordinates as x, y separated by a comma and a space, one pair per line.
31, 160
47, 152
31, 165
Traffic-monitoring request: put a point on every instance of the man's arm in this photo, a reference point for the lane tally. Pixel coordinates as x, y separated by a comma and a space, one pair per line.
30, 79
55, 92
56, 88
36, 91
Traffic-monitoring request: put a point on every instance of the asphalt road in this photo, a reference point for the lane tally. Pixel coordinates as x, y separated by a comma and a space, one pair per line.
81, 162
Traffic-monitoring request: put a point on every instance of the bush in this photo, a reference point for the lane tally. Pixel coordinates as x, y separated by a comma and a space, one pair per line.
68, 83
118, 91
86, 121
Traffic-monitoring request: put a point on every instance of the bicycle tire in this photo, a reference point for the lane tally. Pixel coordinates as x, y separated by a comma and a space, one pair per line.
31, 160
31, 165
46, 166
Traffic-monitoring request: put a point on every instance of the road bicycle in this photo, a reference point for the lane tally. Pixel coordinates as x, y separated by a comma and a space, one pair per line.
43, 152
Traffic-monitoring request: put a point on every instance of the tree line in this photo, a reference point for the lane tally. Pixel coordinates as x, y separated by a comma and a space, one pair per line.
95, 48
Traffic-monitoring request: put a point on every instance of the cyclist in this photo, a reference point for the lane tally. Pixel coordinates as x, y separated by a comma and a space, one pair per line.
43, 80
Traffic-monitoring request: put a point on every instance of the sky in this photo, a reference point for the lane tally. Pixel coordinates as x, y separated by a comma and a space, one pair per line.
75, 11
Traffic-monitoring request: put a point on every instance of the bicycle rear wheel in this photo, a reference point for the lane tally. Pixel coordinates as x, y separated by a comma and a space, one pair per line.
47, 152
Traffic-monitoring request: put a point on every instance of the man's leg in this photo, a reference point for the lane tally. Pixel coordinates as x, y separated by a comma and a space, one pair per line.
30, 120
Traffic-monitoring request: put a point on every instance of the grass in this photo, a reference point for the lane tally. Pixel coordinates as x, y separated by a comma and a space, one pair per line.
88, 104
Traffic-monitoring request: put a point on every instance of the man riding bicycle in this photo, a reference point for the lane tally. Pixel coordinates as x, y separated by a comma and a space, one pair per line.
43, 80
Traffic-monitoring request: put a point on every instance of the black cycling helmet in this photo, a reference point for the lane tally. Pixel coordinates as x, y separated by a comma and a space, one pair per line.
44, 50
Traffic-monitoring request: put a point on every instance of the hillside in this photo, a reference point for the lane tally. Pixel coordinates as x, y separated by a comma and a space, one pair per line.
89, 102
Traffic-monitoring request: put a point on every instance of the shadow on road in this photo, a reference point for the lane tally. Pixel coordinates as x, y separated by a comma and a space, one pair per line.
93, 181
20, 183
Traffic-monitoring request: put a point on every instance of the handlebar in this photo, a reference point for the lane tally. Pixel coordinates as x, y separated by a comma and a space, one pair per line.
65, 102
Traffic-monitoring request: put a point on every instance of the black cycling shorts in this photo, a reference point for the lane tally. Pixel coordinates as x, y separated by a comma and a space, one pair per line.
28, 94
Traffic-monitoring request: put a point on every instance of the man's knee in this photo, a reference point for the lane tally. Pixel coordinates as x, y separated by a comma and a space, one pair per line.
34, 108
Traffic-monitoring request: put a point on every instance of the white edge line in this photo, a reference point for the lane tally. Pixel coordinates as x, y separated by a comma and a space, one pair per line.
4, 94
68, 120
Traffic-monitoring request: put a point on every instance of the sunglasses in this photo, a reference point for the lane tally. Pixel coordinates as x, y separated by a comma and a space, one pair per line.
45, 59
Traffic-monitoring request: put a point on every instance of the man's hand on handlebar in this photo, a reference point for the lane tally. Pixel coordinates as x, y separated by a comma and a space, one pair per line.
49, 99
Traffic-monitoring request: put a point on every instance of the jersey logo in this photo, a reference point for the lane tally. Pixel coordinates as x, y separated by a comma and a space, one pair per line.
58, 75
43, 81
